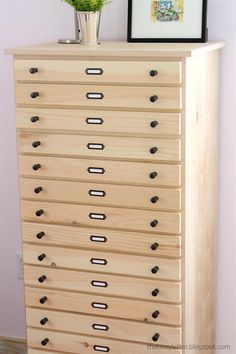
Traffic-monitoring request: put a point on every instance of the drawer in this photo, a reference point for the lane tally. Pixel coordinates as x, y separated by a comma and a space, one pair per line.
148, 174
102, 122
95, 261
104, 327
119, 72
103, 284
146, 312
150, 98
102, 240
100, 147
94, 216
101, 194
74, 343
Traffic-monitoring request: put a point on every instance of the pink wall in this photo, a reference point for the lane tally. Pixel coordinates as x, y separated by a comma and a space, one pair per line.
33, 21
222, 24
21, 22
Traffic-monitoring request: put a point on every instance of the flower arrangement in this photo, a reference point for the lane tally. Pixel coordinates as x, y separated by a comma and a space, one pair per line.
88, 5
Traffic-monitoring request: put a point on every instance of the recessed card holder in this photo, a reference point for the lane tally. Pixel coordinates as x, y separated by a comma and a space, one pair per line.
100, 348
96, 170
98, 305
94, 71
95, 96
95, 193
98, 261
94, 121
96, 216
99, 284
101, 239
92, 146
100, 327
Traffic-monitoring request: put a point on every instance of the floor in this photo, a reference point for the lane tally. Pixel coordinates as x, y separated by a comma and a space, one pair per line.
12, 347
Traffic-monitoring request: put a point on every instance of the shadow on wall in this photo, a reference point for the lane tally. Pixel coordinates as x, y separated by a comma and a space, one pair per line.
114, 21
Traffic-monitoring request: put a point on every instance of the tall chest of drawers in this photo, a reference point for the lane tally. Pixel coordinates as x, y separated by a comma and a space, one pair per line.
117, 150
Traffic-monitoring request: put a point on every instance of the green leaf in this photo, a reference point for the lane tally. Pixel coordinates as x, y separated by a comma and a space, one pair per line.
88, 5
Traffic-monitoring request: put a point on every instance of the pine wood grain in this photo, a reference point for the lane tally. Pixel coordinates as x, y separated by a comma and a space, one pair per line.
135, 310
132, 97
82, 344
102, 194
201, 185
169, 269
116, 50
117, 329
108, 147
112, 122
118, 72
121, 286
102, 239
115, 218
182, 170
112, 171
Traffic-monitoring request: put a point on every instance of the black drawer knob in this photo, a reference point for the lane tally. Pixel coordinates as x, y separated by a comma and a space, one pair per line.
36, 167
33, 70
154, 246
35, 144
34, 94
153, 98
155, 314
44, 321
155, 292
43, 300
41, 257
38, 190
153, 73
156, 337
153, 175
45, 342
42, 279
40, 235
153, 150
154, 124
34, 119
39, 212
155, 270
154, 223
154, 199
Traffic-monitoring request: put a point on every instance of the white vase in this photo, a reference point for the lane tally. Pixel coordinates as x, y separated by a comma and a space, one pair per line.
89, 24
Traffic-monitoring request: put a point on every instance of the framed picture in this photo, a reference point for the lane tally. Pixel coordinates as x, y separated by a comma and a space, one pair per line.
167, 21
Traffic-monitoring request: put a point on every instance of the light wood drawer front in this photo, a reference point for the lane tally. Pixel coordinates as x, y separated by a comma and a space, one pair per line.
74, 343
104, 327
93, 122
95, 261
150, 98
146, 312
94, 216
148, 174
101, 194
103, 284
100, 147
102, 240
119, 72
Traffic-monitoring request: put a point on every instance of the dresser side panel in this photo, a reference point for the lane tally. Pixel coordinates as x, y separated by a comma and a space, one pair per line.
201, 131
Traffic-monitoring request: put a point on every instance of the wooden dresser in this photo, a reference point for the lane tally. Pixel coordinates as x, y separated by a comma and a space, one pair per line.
117, 148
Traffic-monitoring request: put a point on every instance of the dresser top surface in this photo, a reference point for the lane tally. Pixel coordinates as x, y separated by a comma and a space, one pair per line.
118, 49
